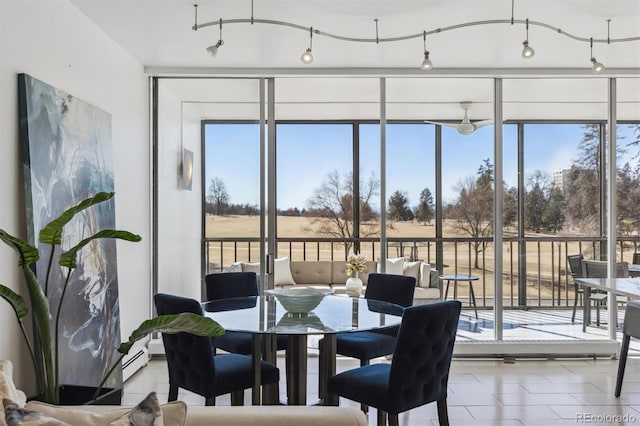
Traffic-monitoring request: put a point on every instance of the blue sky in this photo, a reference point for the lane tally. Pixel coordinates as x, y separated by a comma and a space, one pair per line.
307, 153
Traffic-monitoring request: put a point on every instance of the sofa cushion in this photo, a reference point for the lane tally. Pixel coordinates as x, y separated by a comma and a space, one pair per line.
313, 272
423, 295
282, 272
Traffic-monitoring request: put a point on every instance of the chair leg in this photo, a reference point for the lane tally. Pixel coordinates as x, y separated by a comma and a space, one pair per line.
272, 394
210, 402
575, 304
364, 407
598, 313
443, 414
173, 392
382, 417
237, 397
393, 419
622, 363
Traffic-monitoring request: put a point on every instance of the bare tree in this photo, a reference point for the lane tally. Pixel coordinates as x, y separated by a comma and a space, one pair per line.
217, 196
331, 206
473, 211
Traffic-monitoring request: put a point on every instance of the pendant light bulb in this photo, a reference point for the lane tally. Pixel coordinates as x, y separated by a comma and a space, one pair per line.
426, 63
306, 57
527, 51
596, 66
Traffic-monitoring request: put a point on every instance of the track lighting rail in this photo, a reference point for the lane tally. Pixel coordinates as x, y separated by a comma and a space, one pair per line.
316, 31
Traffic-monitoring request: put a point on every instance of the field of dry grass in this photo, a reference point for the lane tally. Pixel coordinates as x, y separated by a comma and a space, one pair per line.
545, 264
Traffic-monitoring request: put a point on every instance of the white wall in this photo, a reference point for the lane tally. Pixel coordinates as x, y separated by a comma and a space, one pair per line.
179, 240
52, 41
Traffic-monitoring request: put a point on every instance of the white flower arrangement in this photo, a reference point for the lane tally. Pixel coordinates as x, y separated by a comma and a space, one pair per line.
356, 263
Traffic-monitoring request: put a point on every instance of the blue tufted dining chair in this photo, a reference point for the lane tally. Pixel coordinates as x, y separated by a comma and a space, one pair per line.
192, 365
367, 345
419, 371
225, 285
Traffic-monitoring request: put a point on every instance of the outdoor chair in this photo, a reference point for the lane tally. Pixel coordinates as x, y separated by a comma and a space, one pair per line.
226, 285
636, 259
575, 266
193, 366
598, 269
630, 329
419, 371
366, 345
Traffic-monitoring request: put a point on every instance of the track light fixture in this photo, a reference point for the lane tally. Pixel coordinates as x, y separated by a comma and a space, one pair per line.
527, 51
307, 57
426, 63
213, 50
595, 65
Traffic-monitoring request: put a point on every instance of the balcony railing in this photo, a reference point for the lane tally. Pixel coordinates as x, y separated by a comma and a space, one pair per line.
535, 270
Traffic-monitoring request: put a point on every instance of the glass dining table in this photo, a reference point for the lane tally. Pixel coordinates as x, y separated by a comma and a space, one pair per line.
265, 318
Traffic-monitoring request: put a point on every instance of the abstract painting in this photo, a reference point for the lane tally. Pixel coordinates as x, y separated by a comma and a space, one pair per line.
67, 157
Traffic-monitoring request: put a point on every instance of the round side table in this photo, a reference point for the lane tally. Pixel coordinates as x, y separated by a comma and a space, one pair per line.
458, 277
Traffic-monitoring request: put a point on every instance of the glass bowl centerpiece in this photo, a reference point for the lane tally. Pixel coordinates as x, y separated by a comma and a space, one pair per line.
299, 300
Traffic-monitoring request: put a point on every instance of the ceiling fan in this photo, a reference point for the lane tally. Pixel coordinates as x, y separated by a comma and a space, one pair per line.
466, 126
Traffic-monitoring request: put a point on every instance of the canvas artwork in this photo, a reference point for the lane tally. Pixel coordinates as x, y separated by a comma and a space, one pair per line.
67, 157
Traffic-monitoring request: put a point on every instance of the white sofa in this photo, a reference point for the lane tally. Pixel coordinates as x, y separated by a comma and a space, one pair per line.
177, 413
327, 273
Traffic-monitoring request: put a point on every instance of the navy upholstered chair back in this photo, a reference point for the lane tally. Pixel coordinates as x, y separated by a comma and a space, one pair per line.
391, 288
225, 285
189, 357
420, 366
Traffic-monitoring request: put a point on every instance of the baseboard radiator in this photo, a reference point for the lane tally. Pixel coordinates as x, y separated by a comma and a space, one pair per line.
133, 362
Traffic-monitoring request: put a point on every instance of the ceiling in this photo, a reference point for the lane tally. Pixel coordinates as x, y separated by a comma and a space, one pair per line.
159, 34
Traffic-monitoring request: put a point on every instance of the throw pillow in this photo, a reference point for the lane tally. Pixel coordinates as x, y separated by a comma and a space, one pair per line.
425, 275
173, 413
282, 272
393, 266
412, 269
7, 387
234, 267
251, 267
15, 415
146, 413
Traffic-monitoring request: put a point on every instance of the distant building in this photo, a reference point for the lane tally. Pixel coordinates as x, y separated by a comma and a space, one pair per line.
560, 179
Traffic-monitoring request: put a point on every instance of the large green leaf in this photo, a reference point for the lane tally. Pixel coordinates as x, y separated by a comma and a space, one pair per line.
52, 233
68, 258
27, 253
184, 322
15, 300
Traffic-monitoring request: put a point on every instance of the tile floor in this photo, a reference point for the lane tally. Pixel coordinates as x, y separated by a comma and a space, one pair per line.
532, 392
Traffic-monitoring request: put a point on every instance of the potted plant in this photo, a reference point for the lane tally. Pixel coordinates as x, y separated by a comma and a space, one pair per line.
45, 354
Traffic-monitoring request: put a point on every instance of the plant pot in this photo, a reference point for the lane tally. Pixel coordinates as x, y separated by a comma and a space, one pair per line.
82, 395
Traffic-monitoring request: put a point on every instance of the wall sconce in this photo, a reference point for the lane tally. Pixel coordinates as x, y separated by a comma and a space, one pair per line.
187, 169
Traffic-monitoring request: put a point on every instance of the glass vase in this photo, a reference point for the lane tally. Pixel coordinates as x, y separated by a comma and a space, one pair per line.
354, 286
